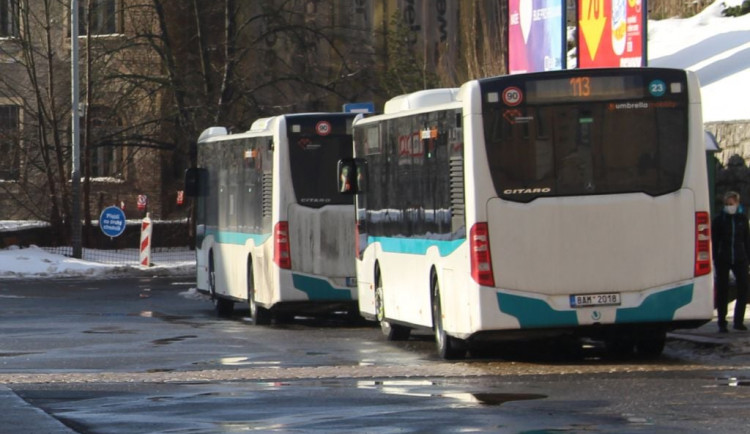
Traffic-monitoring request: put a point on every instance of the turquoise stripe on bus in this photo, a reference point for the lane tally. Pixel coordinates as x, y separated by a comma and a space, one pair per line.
320, 289
535, 313
416, 246
660, 306
239, 238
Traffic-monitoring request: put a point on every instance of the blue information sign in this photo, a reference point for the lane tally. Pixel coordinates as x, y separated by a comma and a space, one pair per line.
359, 107
112, 221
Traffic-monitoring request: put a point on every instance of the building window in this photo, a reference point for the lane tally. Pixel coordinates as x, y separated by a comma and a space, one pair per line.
106, 162
9, 18
10, 143
103, 17
106, 158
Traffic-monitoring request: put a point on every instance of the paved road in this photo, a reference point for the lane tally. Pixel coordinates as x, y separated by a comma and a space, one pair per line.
148, 355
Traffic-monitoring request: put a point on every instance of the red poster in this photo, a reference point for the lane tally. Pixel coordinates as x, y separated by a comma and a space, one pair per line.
611, 33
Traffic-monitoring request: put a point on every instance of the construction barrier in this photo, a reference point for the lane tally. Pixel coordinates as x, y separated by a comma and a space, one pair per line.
146, 230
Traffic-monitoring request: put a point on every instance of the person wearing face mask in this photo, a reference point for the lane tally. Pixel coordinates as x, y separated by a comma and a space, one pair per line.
730, 235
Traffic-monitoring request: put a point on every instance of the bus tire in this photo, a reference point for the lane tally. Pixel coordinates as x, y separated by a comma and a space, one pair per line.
448, 347
652, 346
259, 315
222, 306
392, 332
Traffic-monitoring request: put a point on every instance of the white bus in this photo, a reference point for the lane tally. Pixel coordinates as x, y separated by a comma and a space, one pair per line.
536, 205
271, 228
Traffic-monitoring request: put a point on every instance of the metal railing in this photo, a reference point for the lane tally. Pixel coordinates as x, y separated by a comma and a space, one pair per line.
129, 256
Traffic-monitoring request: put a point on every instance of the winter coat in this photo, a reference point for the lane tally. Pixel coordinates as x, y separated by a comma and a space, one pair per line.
730, 237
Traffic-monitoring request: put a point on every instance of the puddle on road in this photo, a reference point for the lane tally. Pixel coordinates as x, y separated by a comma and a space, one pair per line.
240, 361
161, 316
17, 354
734, 381
502, 398
172, 319
159, 370
424, 388
109, 330
167, 341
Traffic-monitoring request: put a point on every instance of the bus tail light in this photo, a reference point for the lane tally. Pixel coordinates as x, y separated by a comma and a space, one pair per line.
281, 255
702, 244
481, 259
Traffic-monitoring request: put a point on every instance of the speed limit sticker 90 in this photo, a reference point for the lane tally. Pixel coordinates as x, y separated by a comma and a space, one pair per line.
323, 128
512, 96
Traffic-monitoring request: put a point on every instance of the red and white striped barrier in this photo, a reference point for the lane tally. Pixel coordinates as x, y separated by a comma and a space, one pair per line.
146, 230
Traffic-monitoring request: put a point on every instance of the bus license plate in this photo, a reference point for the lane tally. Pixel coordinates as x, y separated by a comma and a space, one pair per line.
588, 300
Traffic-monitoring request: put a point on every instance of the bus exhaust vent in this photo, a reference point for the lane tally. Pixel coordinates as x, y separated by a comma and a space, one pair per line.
457, 186
267, 185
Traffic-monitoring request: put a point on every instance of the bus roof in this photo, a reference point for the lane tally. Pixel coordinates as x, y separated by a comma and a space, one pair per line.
212, 132
421, 99
263, 125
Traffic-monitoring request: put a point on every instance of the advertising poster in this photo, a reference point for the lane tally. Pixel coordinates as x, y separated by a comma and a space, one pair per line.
536, 35
611, 33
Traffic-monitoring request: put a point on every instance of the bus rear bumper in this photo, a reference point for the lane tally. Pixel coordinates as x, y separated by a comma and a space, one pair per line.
595, 332
673, 303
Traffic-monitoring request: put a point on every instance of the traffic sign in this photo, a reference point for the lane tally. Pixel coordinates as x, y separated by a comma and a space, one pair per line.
112, 221
323, 128
359, 107
142, 202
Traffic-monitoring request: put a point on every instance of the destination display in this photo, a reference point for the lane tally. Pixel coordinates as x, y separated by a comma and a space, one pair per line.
585, 87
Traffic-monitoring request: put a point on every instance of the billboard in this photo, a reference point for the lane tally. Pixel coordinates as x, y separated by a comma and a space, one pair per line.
536, 35
611, 33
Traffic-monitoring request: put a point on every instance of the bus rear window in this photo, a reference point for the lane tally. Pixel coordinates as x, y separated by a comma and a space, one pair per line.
603, 147
313, 160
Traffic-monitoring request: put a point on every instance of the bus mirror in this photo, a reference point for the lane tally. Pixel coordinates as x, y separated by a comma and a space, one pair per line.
193, 181
347, 182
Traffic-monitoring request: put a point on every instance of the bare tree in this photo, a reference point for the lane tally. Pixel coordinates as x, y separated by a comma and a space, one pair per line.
166, 71
32, 80
484, 26
405, 71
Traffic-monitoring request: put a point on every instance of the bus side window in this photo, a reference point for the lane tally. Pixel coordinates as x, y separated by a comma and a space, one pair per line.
196, 181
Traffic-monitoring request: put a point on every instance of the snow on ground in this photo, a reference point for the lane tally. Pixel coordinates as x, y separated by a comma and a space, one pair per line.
717, 48
35, 262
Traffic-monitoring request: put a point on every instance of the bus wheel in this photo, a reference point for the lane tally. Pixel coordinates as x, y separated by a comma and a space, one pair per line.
448, 347
222, 306
260, 316
392, 332
651, 346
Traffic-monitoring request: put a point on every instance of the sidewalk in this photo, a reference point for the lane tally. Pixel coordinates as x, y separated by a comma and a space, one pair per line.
20, 416
709, 333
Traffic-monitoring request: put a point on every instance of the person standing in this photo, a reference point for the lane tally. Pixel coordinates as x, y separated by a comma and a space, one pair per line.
730, 235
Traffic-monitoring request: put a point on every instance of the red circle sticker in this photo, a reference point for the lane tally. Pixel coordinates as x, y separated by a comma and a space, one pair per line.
512, 96
323, 128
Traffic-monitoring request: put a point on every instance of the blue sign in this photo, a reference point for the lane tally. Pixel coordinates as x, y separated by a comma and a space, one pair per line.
657, 88
359, 107
112, 221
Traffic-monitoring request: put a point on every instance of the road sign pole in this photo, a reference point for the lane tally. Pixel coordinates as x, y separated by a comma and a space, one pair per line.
75, 212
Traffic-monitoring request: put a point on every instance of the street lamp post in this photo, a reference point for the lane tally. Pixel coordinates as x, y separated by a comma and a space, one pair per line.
75, 218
